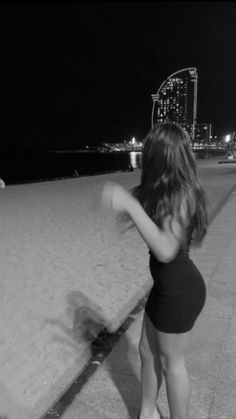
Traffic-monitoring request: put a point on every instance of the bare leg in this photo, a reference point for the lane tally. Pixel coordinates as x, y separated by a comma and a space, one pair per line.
151, 375
172, 349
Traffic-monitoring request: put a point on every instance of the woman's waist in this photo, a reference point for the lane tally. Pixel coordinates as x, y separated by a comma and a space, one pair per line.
182, 257
181, 266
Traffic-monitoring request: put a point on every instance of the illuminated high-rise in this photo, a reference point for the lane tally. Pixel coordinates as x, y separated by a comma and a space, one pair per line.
203, 133
176, 100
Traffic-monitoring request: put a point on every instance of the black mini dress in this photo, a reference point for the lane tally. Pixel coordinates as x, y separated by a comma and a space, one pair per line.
178, 293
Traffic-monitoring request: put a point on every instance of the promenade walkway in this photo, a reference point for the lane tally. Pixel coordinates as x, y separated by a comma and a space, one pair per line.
66, 271
113, 391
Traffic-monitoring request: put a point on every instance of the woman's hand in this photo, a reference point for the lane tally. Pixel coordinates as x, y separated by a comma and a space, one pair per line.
115, 198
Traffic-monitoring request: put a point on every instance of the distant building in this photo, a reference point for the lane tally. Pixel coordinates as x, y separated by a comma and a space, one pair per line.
203, 133
176, 100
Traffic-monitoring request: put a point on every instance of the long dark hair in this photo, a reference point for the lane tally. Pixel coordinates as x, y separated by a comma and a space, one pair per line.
169, 179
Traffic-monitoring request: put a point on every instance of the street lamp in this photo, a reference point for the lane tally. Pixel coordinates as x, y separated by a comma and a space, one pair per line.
230, 141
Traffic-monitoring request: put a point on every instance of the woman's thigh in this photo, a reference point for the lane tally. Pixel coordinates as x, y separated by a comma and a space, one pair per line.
148, 341
172, 347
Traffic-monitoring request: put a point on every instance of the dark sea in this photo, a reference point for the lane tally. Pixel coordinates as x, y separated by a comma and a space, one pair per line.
35, 166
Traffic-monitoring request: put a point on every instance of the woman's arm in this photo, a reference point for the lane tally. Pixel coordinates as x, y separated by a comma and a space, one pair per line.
164, 243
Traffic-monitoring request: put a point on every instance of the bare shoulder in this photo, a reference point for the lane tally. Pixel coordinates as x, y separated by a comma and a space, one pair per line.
177, 224
173, 227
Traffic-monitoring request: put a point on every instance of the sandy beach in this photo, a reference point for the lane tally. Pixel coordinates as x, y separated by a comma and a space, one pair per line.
67, 271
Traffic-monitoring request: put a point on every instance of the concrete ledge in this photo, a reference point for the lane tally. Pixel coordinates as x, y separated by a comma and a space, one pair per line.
227, 161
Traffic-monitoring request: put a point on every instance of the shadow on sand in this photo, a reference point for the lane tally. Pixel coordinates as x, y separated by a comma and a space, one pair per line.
88, 324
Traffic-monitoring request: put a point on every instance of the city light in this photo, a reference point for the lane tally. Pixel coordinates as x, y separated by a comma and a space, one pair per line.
227, 138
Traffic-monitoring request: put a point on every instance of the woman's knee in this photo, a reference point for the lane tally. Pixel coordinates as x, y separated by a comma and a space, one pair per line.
172, 365
172, 350
146, 352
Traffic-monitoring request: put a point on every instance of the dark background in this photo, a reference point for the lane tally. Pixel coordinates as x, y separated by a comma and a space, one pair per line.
76, 73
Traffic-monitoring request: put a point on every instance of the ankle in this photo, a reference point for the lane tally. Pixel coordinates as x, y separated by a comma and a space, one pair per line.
149, 415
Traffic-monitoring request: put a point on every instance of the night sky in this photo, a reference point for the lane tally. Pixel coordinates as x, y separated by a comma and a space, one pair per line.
76, 73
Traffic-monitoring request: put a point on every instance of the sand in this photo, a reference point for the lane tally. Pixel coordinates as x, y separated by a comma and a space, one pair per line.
66, 272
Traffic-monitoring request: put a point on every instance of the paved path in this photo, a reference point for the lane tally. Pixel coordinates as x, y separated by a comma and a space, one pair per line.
66, 272
113, 391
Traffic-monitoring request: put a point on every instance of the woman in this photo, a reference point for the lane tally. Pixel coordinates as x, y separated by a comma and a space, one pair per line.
168, 209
